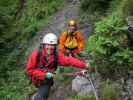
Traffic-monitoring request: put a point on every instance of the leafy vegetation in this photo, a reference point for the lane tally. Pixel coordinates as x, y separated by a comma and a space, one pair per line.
17, 28
109, 45
17, 31
94, 5
16, 87
127, 8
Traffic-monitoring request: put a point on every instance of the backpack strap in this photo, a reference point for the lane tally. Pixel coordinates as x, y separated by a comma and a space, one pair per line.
67, 35
55, 57
39, 53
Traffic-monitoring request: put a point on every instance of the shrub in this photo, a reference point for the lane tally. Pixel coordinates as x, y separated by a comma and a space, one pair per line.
108, 47
128, 8
94, 5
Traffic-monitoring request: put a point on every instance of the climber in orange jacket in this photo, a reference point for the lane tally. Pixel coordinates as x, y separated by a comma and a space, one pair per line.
43, 62
71, 42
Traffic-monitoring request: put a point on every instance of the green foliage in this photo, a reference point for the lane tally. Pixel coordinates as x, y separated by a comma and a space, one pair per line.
7, 8
16, 87
15, 34
94, 5
108, 47
108, 92
6, 38
123, 58
128, 8
34, 16
17, 31
111, 25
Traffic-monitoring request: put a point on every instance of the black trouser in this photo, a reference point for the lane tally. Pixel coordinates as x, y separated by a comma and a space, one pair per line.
43, 90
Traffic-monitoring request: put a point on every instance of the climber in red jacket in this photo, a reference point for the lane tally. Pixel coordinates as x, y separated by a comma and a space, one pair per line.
43, 62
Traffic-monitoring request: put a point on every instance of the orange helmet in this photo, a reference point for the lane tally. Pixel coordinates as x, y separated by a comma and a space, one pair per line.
72, 23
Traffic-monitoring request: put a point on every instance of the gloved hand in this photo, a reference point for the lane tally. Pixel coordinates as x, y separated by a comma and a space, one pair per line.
49, 75
90, 68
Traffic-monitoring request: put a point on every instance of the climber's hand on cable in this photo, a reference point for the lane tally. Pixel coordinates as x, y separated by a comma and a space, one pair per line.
87, 66
49, 75
84, 72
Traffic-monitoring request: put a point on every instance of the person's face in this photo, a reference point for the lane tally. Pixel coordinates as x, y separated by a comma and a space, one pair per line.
49, 48
72, 29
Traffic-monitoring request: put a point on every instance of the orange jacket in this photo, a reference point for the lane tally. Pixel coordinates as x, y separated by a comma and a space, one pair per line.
63, 39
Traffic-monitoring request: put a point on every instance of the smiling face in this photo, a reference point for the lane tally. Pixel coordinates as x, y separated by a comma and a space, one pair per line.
49, 48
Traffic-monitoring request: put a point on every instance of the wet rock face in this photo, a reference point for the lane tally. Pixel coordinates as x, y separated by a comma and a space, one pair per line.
82, 86
60, 91
129, 88
130, 31
78, 83
125, 87
130, 73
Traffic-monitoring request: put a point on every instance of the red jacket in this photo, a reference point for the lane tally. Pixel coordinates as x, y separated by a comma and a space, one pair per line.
32, 65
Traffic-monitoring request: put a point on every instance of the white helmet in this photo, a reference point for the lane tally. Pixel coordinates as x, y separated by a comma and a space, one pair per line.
50, 38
